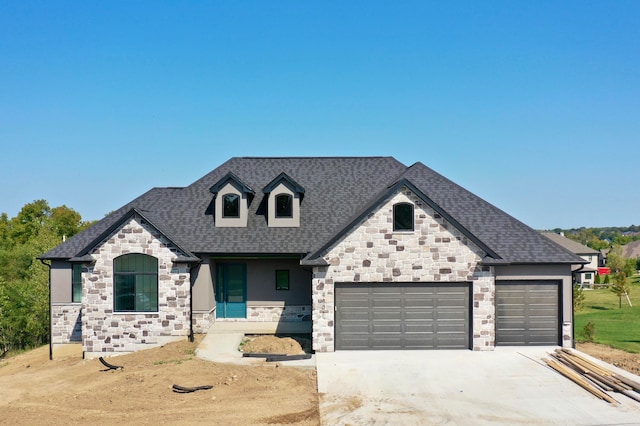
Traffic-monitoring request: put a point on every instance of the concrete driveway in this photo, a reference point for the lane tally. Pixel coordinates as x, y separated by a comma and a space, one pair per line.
506, 386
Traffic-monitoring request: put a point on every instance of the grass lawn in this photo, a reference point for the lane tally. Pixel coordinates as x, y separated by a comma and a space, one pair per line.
614, 326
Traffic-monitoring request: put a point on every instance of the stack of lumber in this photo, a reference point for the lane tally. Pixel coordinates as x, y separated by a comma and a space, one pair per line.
591, 376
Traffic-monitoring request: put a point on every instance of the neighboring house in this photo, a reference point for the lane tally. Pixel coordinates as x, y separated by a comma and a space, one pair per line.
368, 252
603, 254
631, 250
582, 274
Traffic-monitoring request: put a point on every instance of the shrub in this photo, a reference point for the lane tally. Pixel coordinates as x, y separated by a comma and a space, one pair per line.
598, 279
607, 279
588, 333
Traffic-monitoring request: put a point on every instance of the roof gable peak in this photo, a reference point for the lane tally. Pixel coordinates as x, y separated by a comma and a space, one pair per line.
283, 177
235, 180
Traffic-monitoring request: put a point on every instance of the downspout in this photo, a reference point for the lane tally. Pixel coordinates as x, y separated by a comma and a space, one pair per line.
50, 320
573, 309
191, 283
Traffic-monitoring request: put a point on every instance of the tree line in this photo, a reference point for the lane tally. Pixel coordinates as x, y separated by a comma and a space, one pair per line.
602, 238
24, 280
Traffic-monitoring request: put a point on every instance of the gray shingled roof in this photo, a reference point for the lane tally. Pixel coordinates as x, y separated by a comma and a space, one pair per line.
572, 246
337, 191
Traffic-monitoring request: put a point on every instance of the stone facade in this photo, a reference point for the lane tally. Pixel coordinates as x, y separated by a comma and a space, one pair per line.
202, 321
66, 322
278, 313
434, 252
107, 331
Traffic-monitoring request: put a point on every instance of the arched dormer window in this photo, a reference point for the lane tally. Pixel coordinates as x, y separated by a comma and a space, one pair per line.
283, 198
284, 205
403, 217
231, 201
135, 283
231, 205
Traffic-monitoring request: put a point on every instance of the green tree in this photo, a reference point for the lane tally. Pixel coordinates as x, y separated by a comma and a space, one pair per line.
67, 222
620, 286
615, 260
24, 281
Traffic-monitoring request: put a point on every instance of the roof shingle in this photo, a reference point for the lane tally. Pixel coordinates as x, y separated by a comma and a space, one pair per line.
337, 190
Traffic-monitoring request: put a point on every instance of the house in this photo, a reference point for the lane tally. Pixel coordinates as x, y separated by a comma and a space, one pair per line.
366, 252
582, 274
631, 250
602, 257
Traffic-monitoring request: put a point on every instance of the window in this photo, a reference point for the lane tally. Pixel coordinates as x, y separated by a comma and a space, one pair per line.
135, 283
403, 217
231, 205
76, 283
587, 276
282, 279
284, 205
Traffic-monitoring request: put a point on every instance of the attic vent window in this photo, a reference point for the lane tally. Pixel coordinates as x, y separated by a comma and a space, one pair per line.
231, 205
403, 217
284, 205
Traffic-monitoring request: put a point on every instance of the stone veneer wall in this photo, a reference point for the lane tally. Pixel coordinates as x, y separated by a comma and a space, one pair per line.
435, 252
278, 313
107, 331
66, 323
202, 321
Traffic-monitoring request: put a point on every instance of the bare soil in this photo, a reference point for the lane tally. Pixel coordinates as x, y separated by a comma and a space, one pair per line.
34, 390
69, 390
270, 344
621, 359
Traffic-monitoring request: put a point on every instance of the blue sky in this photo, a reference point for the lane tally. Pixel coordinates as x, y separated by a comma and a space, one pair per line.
534, 106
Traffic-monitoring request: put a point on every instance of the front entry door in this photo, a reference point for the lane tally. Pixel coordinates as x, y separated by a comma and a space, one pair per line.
231, 289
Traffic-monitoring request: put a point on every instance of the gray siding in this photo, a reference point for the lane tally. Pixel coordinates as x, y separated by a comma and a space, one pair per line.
202, 277
261, 285
60, 282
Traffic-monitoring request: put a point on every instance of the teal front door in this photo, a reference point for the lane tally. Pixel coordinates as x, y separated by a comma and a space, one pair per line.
231, 291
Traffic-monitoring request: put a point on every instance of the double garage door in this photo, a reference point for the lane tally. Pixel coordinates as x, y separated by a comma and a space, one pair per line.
402, 316
437, 316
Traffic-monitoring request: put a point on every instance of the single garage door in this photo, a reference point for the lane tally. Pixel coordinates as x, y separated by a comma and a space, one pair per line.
527, 313
402, 316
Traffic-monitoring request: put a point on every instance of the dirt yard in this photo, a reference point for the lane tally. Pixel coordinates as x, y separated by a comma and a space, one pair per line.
72, 391
34, 390
621, 359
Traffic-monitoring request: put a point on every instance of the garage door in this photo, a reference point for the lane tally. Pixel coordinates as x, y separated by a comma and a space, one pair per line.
402, 316
527, 313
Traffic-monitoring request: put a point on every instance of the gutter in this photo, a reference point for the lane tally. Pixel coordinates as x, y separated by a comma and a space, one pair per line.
50, 320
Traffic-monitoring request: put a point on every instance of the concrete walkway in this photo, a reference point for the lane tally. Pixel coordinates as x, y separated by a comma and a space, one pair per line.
507, 386
223, 339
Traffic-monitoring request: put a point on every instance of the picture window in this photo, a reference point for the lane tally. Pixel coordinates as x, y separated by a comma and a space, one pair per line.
135, 283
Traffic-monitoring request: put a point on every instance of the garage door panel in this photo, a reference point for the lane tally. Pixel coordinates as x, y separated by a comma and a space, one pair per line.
404, 316
527, 313
362, 315
419, 316
421, 303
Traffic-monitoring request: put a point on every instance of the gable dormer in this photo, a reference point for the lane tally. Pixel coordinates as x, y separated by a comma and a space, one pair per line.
232, 198
284, 196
